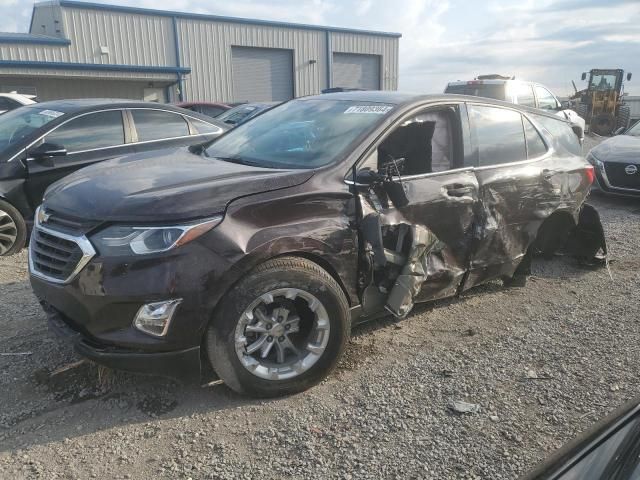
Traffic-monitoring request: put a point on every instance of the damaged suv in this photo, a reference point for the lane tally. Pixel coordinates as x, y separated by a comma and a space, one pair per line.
255, 254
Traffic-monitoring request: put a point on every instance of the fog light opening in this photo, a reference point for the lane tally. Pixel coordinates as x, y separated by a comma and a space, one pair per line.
154, 318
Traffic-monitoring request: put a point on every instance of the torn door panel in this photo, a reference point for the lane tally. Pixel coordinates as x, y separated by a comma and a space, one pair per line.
402, 262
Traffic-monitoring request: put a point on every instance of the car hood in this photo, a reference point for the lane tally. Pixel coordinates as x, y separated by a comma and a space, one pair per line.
163, 185
621, 148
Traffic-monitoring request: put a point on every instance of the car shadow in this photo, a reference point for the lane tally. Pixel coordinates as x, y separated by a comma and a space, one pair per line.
51, 394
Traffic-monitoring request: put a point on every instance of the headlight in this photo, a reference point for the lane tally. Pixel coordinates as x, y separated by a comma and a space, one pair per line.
594, 161
123, 240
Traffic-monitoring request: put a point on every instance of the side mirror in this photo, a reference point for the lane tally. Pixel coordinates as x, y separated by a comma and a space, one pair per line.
367, 177
45, 151
628, 76
584, 76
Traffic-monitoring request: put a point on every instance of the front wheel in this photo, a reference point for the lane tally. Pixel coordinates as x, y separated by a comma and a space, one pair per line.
13, 231
280, 330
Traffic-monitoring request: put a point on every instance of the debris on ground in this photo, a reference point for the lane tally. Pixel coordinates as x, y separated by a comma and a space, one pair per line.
459, 406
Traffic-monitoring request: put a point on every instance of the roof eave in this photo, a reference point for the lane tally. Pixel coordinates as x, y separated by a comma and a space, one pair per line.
219, 18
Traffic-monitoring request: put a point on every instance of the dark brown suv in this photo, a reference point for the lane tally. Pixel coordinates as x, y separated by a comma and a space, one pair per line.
258, 252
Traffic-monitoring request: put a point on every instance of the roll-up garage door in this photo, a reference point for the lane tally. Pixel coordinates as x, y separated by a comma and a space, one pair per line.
356, 71
262, 74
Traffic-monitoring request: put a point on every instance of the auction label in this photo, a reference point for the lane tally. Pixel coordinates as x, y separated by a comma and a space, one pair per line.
377, 109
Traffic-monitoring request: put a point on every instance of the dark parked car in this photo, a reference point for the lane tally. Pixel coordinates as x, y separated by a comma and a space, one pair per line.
610, 450
261, 251
243, 112
43, 142
617, 163
206, 108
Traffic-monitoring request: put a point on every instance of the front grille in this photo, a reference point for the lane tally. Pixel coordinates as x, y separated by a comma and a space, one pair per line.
54, 256
619, 178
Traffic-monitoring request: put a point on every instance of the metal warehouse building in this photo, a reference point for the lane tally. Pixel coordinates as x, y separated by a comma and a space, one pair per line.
77, 49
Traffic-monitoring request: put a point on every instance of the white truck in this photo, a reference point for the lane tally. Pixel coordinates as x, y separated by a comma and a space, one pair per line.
529, 94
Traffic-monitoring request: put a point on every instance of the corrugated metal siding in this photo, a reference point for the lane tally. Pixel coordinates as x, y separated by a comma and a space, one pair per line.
39, 53
56, 88
386, 47
132, 39
56, 72
206, 48
47, 20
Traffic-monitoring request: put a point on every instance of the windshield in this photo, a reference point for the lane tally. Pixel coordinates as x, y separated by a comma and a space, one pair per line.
299, 134
22, 122
635, 130
602, 82
487, 90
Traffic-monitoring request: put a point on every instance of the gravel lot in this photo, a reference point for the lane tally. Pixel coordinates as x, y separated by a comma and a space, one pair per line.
543, 362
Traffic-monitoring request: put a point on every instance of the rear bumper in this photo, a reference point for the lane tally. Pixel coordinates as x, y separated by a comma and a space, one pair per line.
182, 365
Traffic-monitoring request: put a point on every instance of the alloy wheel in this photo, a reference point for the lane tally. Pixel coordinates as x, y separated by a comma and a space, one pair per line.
282, 334
8, 232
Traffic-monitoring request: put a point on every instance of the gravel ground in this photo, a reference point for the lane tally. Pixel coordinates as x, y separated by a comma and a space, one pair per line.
543, 362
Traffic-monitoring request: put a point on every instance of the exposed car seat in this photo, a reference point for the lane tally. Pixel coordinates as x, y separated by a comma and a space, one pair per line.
425, 143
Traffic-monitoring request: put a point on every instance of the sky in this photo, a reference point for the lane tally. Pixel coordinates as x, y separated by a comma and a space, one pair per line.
548, 41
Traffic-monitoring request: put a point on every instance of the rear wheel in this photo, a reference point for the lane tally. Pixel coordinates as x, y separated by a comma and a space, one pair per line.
624, 117
13, 230
281, 330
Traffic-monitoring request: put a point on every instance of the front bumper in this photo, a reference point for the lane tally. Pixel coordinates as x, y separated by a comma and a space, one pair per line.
183, 364
97, 307
602, 184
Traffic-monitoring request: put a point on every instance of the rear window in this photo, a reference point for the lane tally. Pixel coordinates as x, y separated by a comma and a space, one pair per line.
562, 132
499, 134
158, 124
478, 90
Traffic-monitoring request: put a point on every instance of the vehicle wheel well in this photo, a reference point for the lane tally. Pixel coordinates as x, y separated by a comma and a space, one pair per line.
322, 263
325, 265
553, 233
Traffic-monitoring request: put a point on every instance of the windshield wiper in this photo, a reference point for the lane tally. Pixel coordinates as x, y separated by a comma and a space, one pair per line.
237, 159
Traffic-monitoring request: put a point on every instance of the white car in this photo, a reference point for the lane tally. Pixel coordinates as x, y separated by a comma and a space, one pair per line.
529, 94
11, 101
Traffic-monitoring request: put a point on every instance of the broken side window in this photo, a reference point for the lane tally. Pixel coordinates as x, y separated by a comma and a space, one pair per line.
426, 143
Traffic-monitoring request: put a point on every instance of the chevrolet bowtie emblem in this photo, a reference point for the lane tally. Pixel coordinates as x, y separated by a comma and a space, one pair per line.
43, 216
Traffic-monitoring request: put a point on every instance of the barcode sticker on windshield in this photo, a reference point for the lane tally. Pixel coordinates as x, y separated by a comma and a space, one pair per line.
377, 109
51, 113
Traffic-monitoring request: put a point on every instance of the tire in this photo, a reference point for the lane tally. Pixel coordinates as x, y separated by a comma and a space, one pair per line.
552, 235
13, 230
583, 110
624, 117
279, 277
603, 124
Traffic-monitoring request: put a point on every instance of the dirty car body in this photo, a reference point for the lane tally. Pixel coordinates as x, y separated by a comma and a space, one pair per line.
385, 199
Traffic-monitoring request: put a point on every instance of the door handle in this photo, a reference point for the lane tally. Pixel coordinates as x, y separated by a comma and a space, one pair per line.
459, 190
